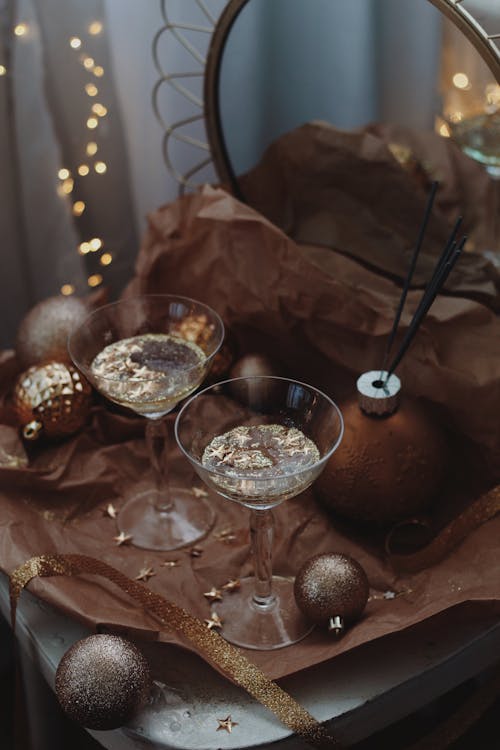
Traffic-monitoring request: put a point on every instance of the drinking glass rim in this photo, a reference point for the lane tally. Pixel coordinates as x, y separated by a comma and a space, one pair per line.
88, 371
323, 459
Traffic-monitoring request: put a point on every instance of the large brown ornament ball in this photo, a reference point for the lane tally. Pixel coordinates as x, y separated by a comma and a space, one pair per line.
102, 681
386, 468
43, 332
331, 586
53, 398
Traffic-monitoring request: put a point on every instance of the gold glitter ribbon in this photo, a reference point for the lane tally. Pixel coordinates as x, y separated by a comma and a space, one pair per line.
228, 659
481, 510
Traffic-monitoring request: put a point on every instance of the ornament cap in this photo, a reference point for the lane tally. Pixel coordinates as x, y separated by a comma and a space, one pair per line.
378, 392
336, 625
32, 430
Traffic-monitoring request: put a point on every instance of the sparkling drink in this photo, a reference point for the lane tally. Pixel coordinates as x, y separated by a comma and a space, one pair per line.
240, 459
149, 373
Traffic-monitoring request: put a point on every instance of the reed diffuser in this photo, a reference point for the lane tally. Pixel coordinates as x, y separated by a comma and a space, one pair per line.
392, 460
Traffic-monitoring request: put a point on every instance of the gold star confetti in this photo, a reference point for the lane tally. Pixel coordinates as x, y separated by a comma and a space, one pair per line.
214, 595
226, 724
232, 585
170, 564
145, 574
199, 492
225, 535
213, 622
110, 511
196, 551
122, 538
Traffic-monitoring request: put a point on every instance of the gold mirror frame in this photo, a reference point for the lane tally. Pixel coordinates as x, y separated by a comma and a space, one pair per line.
487, 43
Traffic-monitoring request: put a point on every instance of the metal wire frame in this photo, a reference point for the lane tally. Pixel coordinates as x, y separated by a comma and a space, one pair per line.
174, 131
218, 28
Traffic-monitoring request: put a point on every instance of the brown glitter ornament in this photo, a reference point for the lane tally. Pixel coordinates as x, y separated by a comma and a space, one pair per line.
54, 398
333, 589
389, 466
43, 332
102, 681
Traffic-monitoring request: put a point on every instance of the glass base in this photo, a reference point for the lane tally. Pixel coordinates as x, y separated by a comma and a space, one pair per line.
251, 625
190, 519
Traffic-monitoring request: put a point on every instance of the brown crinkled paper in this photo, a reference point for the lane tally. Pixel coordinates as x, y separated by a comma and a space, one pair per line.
327, 318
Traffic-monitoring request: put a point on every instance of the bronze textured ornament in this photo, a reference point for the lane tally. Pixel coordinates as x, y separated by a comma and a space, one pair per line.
43, 332
391, 462
331, 589
53, 399
103, 681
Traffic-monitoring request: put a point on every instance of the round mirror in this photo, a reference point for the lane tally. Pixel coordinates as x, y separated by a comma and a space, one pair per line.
308, 82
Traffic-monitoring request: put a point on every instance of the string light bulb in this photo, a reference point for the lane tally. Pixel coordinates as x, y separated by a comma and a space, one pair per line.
88, 63
91, 148
3, 70
100, 167
78, 208
99, 109
75, 42
63, 174
92, 123
106, 259
91, 89
67, 289
67, 186
83, 170
21, 29
95, 244
95, 28
461, 81
94, 280
98, 71
84, 248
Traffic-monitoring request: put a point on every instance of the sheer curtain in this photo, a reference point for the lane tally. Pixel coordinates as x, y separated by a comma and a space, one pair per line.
76, 80
67, 212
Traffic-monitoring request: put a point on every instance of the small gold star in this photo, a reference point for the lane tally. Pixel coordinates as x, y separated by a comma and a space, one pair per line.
232, 585
145, 574
122, 538
170, 564
225, 535
199, 492
110, 511
226, 724
214, 595
196, 551
213, 622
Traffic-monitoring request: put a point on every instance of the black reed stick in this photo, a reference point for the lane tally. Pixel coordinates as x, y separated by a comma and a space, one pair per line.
443, 270
409, 276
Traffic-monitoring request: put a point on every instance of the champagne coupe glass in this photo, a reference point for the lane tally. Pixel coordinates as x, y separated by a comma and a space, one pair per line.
259, 441
139, 353
470, 115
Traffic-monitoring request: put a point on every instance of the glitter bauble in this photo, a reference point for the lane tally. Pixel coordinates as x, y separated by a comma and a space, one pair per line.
43, 332
386, 468
255, 364
331, 589
54, 398
102, 681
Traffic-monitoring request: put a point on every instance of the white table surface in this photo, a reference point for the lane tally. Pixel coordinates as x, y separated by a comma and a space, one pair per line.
357, 694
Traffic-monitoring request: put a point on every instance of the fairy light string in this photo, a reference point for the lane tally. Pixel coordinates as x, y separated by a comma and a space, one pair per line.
89, 162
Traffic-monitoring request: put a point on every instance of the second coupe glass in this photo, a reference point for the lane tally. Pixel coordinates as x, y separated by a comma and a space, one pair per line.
259, 441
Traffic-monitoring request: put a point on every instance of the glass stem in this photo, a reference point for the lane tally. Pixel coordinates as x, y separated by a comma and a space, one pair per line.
262, 535
157, 446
